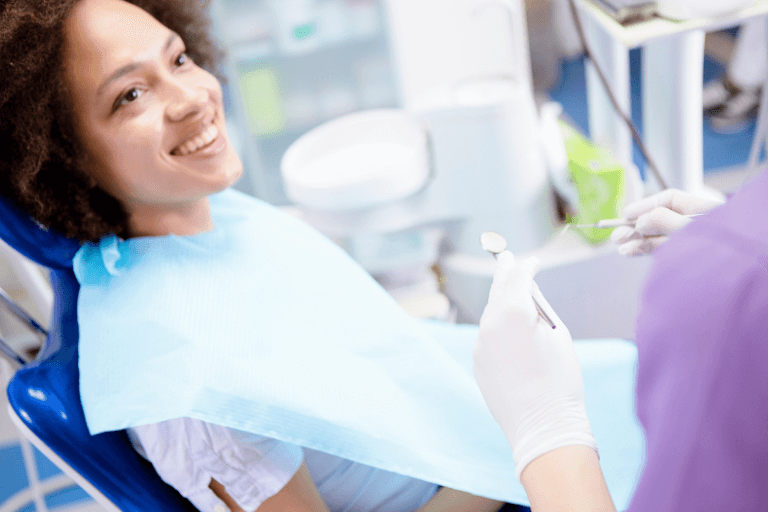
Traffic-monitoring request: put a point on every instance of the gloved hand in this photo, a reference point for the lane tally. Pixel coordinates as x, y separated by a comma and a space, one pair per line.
528, 372
657, 217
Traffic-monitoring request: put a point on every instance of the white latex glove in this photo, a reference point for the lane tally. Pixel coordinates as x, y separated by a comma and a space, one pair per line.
527, 371
657, 217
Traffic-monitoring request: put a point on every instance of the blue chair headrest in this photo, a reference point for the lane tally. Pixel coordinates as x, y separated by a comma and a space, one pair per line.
46, 395
44, 246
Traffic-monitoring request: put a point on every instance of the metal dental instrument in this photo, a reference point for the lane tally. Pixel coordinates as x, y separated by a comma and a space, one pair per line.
494, 243
615, 223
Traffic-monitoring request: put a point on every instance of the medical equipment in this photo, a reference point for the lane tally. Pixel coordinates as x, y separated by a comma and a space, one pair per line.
492, 242
472, 101
615, 223
614, 101
693, 9
367, 159
495, 244
473, 163
293, 65
599, 180
467, 142
627, 11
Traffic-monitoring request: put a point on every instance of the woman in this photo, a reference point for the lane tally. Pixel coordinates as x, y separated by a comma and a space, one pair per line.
112, 127
702, 388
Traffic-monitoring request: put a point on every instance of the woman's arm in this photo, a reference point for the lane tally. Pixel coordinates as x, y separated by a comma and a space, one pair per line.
451, 500
298, 495
567, 479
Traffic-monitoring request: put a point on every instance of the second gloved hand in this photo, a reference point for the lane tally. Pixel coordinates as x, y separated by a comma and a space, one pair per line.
527, 371
657, 217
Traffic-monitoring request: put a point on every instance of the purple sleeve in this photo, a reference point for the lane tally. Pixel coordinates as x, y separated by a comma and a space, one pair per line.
702, 381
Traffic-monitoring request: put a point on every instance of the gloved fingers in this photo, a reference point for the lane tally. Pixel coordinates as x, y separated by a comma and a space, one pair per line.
624, 234
642, 246
521, 283
511, 271
512, 280
505, 262
532, 265
684, 203
687, 203
660, 221
638, 208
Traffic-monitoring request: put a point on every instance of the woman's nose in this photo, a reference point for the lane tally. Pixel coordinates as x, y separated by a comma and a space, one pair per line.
185, 102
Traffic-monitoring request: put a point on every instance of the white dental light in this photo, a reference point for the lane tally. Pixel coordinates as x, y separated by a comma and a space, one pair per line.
357, 161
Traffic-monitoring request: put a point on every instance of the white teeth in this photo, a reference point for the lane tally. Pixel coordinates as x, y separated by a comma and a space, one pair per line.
198, 141
209, 134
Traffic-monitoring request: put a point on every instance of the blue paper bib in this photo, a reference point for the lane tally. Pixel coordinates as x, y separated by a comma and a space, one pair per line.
264, 325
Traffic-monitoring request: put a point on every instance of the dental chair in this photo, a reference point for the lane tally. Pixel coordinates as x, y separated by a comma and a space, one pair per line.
44, 396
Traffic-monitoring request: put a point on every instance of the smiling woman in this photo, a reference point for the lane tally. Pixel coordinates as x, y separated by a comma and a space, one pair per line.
151, 121
117, 136
44, 101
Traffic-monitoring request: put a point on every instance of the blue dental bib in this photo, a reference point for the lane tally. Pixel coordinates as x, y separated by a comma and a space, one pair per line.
264, 325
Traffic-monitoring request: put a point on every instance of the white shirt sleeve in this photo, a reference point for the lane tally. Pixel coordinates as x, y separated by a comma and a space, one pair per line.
188, 453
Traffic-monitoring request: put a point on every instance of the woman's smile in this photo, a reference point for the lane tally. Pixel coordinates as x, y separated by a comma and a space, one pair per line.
207, 141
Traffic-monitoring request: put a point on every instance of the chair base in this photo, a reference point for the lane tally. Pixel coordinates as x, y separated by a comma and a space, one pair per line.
24, 496
63, 466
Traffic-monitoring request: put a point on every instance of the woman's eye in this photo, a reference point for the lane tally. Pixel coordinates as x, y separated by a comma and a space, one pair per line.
130, 96
181, 59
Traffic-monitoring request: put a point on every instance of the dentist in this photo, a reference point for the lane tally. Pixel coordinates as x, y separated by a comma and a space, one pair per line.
702, 386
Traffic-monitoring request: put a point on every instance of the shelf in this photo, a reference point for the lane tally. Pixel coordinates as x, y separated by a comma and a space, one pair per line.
254, 51
636, 34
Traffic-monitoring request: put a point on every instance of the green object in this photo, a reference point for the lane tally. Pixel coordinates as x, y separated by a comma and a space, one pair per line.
262, 101
599, 180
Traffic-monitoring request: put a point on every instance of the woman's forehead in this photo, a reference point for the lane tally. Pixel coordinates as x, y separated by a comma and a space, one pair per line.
102, 35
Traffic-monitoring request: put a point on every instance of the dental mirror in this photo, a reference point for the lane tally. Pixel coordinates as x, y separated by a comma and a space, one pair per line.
493, 242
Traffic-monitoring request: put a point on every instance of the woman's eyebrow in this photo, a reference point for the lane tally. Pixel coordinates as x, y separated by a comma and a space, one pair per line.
128, 68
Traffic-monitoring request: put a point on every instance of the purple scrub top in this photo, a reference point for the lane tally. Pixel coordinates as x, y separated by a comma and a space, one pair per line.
702, 380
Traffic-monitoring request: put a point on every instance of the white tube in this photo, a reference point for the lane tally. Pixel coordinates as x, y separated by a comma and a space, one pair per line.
760, 139
33, 281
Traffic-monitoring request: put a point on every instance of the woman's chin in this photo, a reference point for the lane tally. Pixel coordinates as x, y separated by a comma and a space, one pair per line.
229, 173
235, 168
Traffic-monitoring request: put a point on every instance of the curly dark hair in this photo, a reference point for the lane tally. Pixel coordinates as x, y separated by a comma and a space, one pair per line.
41, 167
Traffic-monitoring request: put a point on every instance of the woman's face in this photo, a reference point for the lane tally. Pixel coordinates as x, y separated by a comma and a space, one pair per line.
152, 122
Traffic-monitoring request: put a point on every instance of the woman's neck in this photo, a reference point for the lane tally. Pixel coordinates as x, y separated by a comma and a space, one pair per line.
178, 219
